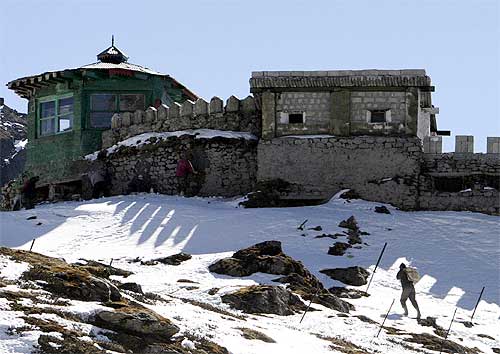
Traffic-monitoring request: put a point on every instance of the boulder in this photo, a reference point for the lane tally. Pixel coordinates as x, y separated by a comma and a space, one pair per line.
264, 257
175, 259
339, 248
136, 288
356, 276
347, 293
350, 223
353, 237
264, 299
382, 209
136, 321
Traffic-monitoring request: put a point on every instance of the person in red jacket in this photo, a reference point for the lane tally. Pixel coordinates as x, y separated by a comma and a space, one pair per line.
183, 172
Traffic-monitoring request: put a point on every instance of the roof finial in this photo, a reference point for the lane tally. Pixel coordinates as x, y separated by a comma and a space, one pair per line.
112, 40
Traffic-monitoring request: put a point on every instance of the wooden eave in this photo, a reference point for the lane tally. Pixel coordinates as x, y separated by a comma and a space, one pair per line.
26, 86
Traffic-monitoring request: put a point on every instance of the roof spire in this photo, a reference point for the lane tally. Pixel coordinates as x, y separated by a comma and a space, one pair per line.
112, 54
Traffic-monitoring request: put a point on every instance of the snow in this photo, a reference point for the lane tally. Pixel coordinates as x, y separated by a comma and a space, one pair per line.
20, 144
456, 253
143, 139
11, 270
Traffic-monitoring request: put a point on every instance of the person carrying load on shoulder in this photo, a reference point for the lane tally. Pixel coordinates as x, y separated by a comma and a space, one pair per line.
408, 277
183, 172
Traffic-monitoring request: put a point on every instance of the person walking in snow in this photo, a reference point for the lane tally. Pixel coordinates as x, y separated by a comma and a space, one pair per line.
183, 172
408, 278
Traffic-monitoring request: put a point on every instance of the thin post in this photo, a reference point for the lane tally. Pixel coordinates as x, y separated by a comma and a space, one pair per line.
301, 226
387, 314
310, 302
447, 332
111, 262
376, 266
477, 303
32, 243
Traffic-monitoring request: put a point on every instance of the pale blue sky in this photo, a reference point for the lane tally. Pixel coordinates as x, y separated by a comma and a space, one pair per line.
212, 46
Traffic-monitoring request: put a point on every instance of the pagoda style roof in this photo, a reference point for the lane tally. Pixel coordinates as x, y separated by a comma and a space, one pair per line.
263, 80
111, 59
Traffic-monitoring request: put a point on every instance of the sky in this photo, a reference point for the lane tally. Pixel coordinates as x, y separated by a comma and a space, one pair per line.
213, 46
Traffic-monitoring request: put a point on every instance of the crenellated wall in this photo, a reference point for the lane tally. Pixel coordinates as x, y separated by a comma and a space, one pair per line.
235, 115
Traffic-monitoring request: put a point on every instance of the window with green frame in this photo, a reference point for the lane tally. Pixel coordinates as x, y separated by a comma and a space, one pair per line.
104, 105
55, 116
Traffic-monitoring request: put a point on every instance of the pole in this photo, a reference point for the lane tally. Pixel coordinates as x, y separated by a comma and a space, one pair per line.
376, 266
310, 302
301, 226
477, 303
32, 243
387, 314
111, 262
447, 332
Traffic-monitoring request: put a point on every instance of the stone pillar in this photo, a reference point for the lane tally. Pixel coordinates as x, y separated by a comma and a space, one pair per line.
464, 144
493, 145
340, 115
412, 107
433, 144
268, 115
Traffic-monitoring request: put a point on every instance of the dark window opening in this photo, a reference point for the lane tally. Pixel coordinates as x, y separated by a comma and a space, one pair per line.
296, 118
104, 105
453, 184
377, 116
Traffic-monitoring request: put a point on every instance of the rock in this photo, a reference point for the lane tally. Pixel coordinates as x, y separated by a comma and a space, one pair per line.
316, 228
468, 324
265, 257
329, 236
356, 276
366, 319
102, 270
64, 279
350, 194
496, 350
69, 345
346, 293
213, 291
33, 217
339, 248
382, 209
485, 336
252, 334
137, 321
350, 223
431, 322
354, 238
175, 259
432, 342
264, 299
136, 288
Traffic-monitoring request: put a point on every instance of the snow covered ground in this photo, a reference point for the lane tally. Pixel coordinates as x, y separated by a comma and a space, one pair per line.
456, 252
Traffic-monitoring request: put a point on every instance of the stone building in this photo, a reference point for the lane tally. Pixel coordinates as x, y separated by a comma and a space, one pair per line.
371, 131
345, 103
69, 109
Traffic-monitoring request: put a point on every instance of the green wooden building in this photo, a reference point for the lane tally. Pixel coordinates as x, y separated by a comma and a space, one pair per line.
69, 109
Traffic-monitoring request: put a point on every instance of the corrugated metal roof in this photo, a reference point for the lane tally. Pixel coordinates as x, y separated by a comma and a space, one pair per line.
123, 66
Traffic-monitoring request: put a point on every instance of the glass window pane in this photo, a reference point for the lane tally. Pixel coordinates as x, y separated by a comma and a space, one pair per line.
48, 109
66, 105
132, 102
47, 126
103, 102
101, 119
65, 123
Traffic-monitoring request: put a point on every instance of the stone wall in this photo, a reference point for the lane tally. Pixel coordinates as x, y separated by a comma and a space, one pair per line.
226, 166
381, 169
460, 181
236, 115
316, 107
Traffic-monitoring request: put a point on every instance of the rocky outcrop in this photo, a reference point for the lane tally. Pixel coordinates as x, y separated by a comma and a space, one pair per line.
175, 259
264, 299
339, 248
356, 276
268, 257
62, 279
139, 322
264, 257
346, 293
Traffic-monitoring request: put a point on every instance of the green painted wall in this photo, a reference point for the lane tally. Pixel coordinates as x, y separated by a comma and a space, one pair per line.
51, 157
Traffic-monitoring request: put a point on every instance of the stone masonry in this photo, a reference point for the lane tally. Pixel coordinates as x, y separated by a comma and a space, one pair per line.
226, 167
